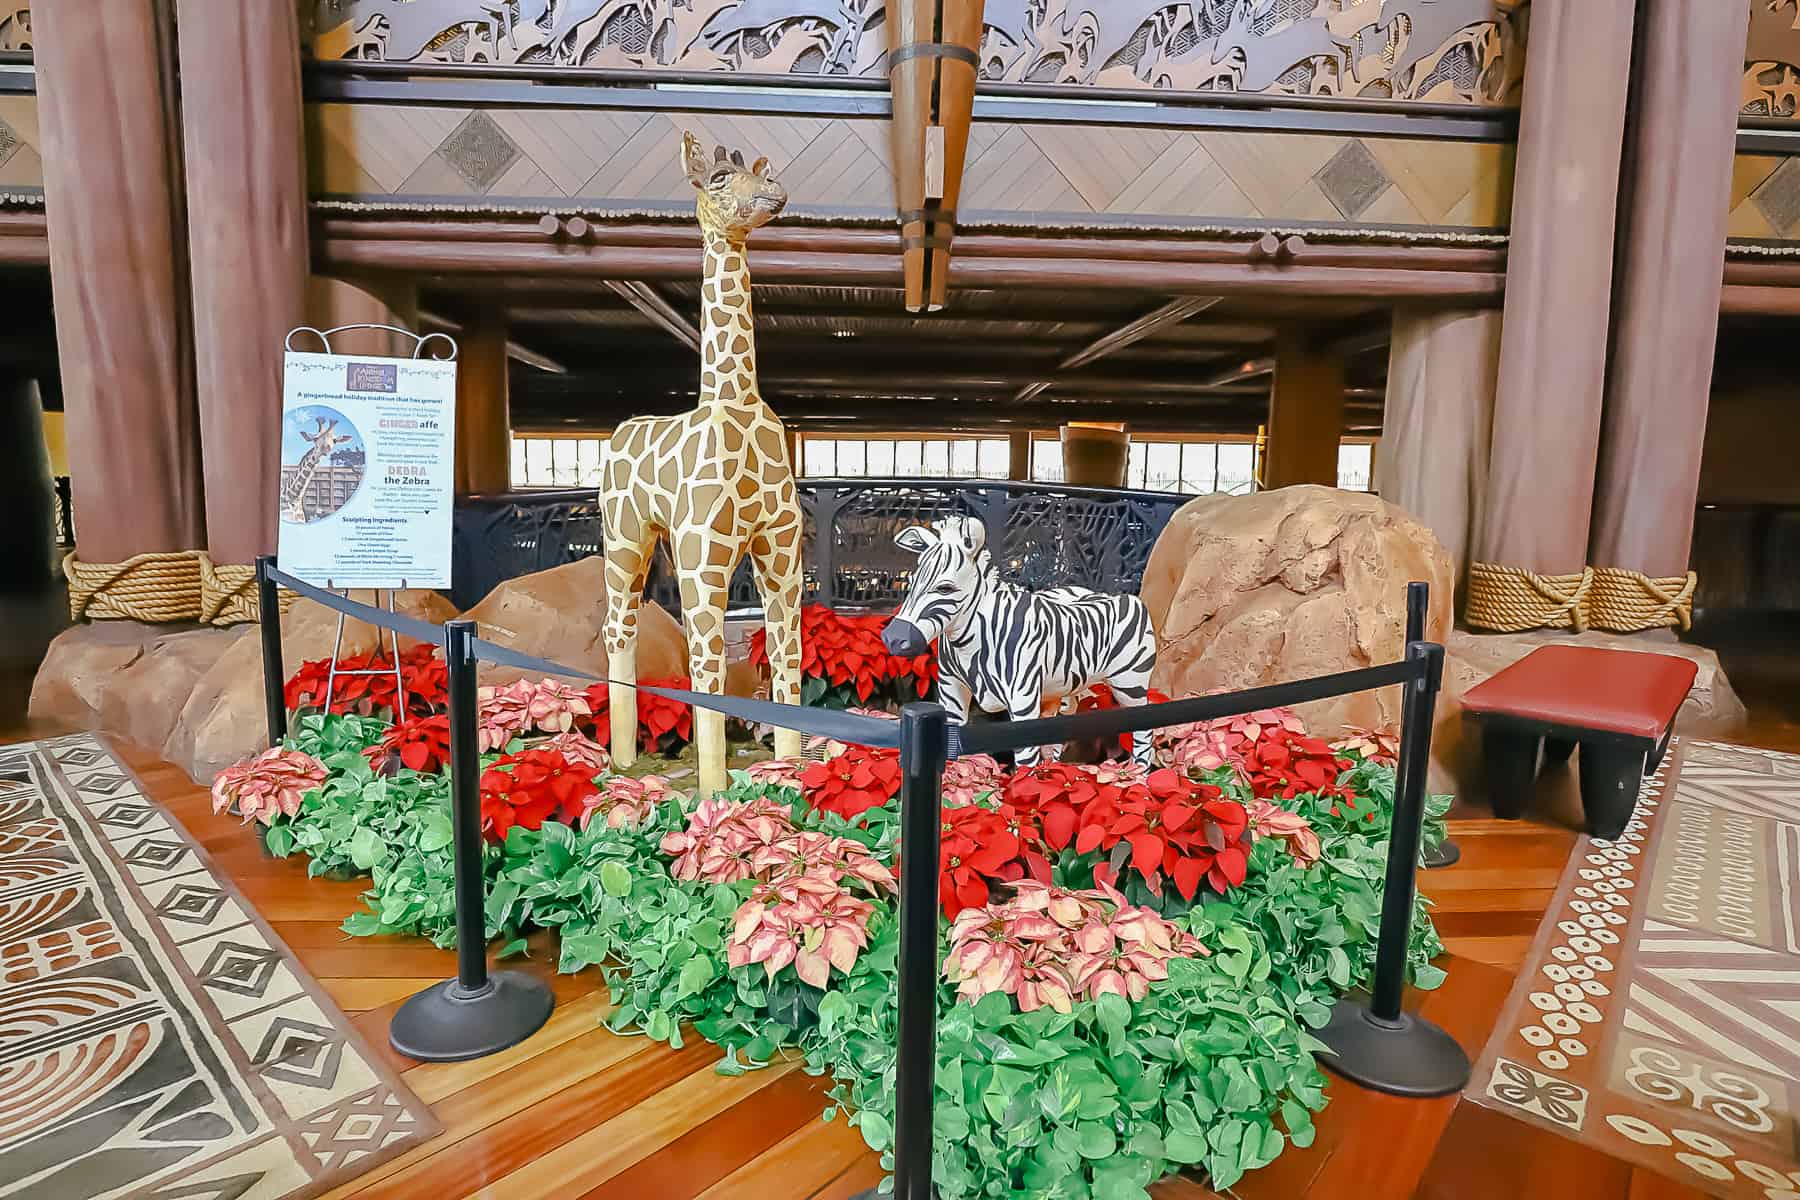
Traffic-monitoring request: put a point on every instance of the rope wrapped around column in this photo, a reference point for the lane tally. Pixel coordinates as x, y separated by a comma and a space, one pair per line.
228, 593
1626, 601
1512, 599
154, 588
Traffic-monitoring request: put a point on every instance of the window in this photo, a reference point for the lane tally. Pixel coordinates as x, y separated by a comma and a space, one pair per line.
557, 462
1166, 464
925, 456
1356, 466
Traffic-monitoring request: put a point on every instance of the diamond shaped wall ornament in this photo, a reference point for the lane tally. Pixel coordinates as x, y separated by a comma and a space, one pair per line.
9, 142
479, 150
1779, 197
240, 969
1353, 180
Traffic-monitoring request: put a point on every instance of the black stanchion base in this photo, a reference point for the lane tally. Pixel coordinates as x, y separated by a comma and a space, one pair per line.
1408, 1057
1447, 854
444, 1023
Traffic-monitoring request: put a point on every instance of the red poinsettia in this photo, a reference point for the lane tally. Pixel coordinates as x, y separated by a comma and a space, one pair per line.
1284, 764
975, 849
852, 782
1099, 696
427, 680
847, 652
1058, 793
531, 787
1175, 829
422, 743
305, 688
664, 725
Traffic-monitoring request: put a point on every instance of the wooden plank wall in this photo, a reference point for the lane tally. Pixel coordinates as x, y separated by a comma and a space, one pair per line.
840, 166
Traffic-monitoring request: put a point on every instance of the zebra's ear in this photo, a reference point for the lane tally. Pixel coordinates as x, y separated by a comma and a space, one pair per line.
917, 538
974, 535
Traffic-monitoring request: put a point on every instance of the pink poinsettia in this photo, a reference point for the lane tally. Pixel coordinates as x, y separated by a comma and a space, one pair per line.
805, 920
1127, 953
1207, 745
1268, 819
267, 786
724, 839
777, 772
501, 714
1048, 947
1119, 772
966, 779
553, 707
812, 853
627, 803
579, 750
1380, 746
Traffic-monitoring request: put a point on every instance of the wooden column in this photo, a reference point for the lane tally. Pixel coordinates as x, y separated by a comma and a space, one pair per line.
1306, 414
118, 270
1558, 287
933, 52
1438, 419
1018, 456
483, 430
331, 302
240, 116
1678, 185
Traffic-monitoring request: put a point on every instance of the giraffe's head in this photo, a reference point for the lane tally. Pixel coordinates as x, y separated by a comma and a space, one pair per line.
733, 198
325, 439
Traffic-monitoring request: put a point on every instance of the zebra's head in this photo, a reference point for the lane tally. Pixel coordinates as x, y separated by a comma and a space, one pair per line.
953, 556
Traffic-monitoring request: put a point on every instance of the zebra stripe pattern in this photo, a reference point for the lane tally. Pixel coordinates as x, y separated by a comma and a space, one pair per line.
1003, 648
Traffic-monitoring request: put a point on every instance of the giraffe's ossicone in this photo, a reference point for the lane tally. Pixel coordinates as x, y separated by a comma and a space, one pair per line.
716, 482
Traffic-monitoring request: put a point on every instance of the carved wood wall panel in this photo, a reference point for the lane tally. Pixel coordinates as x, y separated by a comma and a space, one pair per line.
1469, 51
1765, 197
1068, 175
15, 25
1772, 59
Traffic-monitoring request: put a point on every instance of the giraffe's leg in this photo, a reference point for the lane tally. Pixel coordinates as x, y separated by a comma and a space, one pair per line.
775, 555
629, 544
705, 588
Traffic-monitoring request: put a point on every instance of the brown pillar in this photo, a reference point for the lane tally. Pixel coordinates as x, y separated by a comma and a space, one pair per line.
1018, 455
1558, 287
1678, 185
332, 302
240, 114
483, 432
1438, 419
1306, 414
112, 185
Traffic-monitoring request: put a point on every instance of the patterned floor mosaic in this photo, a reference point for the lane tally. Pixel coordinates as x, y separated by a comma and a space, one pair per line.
1657, 1016
156, 1039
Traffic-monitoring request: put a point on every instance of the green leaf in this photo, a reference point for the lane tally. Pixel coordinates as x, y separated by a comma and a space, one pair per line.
435, 831
877, 1130
280, 840
696, 973
367, 848
516, 946
615, 880
1097, 1141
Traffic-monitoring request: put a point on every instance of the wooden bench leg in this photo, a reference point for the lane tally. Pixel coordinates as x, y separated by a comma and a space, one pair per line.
1610, 776
1557, 750
1511, 763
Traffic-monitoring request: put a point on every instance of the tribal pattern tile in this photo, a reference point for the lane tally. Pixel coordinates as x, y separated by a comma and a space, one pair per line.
1657, 1016
155, 1037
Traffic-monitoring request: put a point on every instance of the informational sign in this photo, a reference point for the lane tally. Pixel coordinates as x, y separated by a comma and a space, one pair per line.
367, 470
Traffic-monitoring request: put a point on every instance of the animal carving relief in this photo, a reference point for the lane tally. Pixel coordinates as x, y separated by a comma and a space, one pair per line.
1437, 50
1772, 60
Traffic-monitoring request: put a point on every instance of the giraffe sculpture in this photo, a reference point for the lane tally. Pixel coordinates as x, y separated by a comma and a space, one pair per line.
293, 488
715, 481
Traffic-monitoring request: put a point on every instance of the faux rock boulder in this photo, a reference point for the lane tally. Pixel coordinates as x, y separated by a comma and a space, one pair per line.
560, 615
1285, 584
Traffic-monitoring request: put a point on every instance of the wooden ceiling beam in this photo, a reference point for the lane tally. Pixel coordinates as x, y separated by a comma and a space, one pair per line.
648, 301
1173, 313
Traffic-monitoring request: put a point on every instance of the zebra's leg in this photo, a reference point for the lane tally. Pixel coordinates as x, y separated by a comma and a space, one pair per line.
1131, 689
1025, 704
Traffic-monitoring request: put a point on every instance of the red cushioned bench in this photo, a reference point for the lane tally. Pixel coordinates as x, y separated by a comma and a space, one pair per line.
1618, 705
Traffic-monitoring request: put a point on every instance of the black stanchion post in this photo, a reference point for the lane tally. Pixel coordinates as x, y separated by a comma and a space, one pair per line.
924, 747
1418, 600
1382, 1046
268, 615
479, 1012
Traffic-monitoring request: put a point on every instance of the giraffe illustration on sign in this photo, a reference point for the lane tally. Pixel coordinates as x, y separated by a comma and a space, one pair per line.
716, 482
294, 487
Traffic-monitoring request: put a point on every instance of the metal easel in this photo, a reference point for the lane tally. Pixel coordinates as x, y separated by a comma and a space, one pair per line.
332, 674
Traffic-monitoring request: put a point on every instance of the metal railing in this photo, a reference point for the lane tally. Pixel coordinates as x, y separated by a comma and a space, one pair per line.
1042, 535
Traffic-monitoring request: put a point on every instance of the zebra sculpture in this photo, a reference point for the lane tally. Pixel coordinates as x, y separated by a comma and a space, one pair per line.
1009, 649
